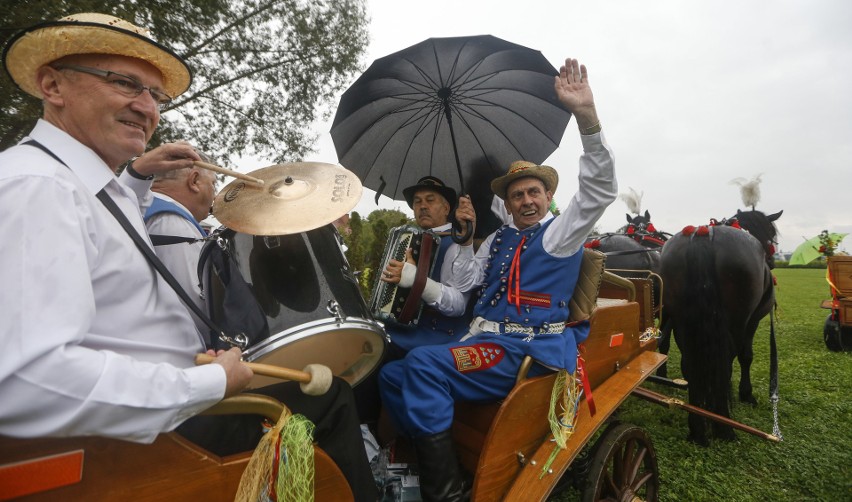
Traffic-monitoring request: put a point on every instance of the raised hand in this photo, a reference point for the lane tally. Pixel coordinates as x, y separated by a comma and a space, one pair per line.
573, 90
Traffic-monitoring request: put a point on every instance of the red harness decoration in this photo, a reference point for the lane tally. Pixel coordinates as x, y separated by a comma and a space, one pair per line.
514, 296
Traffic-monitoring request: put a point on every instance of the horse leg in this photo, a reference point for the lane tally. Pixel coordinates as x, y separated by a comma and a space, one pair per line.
745, 356
697, 425
721, 405
664, 344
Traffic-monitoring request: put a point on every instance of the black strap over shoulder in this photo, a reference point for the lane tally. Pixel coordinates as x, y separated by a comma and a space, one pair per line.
151, 257
166, 240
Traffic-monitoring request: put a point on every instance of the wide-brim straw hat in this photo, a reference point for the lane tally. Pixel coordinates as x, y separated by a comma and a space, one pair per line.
90, 33
430, 183
523, 169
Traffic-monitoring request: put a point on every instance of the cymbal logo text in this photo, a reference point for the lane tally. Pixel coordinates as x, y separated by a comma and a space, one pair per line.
339, 188
234, 192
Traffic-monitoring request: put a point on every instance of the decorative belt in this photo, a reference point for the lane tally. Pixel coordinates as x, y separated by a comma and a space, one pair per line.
510, 327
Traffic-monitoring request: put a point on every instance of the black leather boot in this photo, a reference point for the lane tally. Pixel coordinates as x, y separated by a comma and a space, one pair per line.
440, 473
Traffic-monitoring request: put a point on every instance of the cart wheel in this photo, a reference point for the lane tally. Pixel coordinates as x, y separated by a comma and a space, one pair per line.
624, 467
831, 335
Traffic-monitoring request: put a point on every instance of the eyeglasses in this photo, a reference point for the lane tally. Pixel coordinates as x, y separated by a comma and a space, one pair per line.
125, 85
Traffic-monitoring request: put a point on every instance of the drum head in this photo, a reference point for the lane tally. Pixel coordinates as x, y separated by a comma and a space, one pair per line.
352, 349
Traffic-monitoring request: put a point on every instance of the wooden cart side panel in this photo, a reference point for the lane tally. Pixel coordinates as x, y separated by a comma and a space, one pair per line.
845, 311
519, 426
169, 469
531, 485
840, 268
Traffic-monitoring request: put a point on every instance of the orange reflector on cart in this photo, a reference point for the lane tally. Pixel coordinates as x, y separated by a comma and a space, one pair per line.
616, 339
40, 474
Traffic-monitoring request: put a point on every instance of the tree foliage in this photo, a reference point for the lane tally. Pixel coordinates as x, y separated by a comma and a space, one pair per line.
366, 242
263, 70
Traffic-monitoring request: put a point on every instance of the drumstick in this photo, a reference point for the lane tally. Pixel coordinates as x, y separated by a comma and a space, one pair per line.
265, 370
226, 172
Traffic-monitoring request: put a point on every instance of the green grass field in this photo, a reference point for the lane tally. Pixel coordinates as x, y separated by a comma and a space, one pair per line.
815, 412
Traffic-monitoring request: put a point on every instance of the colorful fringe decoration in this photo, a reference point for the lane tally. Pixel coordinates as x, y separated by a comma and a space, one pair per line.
281, 469
565, 396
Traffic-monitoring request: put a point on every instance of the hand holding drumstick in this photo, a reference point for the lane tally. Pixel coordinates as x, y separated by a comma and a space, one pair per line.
315, 379
179, 155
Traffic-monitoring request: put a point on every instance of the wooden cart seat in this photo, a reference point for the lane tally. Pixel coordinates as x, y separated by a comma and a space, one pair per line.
171, 468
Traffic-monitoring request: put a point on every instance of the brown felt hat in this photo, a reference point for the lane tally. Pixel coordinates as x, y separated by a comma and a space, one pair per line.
523, 169
89, 33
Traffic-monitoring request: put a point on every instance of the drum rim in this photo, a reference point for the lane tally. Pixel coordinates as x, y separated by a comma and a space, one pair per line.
311, 328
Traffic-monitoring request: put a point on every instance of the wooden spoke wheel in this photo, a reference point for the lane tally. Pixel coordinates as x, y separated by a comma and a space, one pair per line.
624, 467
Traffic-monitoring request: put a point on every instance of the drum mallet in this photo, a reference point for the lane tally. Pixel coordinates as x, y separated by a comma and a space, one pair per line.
314, 380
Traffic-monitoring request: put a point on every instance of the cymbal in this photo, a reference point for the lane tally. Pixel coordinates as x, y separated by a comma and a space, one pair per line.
294, 198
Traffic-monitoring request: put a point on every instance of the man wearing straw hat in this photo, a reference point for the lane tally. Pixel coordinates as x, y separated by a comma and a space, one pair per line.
94, 342
526, 272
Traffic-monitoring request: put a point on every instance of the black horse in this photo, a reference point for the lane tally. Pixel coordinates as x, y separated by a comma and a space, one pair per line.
718, 288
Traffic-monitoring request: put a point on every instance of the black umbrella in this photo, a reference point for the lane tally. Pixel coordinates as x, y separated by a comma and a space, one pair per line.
461, 109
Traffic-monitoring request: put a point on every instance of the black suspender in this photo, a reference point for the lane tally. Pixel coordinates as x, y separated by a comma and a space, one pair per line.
150, 256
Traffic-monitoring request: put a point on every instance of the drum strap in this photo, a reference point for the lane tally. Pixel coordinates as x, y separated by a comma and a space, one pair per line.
145, 249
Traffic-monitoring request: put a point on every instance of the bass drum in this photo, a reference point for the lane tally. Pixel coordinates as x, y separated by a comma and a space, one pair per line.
295, 298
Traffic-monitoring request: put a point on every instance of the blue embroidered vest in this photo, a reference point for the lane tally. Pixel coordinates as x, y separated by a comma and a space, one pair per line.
546, 282
546, 285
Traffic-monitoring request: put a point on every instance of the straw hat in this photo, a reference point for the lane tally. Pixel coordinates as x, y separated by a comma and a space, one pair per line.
522, 169
430, 183
89, 33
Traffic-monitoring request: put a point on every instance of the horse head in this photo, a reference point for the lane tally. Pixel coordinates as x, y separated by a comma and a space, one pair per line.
639, 221
761, 227
643, 231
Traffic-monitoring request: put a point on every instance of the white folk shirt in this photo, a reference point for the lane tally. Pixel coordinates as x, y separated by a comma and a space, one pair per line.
93, 342
597, 189
452, 302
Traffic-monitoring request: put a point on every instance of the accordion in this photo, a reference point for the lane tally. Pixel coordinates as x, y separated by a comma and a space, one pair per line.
389, 302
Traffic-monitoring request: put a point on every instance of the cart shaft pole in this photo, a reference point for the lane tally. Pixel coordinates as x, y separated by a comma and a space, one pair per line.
677, 403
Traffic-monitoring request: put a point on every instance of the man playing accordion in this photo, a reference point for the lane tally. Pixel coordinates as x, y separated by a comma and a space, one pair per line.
443, 318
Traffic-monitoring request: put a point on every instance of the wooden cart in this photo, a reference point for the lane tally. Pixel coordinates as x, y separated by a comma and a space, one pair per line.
504, 444
837, 331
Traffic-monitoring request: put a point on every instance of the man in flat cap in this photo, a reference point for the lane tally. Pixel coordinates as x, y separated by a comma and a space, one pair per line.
94, 342
526, 272
443, 318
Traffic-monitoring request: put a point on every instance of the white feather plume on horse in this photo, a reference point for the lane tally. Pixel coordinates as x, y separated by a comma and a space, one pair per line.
633, 199
749, 190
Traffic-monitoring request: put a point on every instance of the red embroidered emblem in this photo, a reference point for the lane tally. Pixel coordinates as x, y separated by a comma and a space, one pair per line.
477, 357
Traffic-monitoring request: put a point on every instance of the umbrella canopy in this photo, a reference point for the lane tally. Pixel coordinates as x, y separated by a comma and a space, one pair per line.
461, 109
808, 251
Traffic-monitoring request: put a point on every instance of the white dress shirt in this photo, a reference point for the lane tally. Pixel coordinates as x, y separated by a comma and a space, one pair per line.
93, 342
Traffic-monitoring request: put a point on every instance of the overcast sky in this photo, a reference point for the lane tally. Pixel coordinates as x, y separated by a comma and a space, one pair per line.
690, 94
